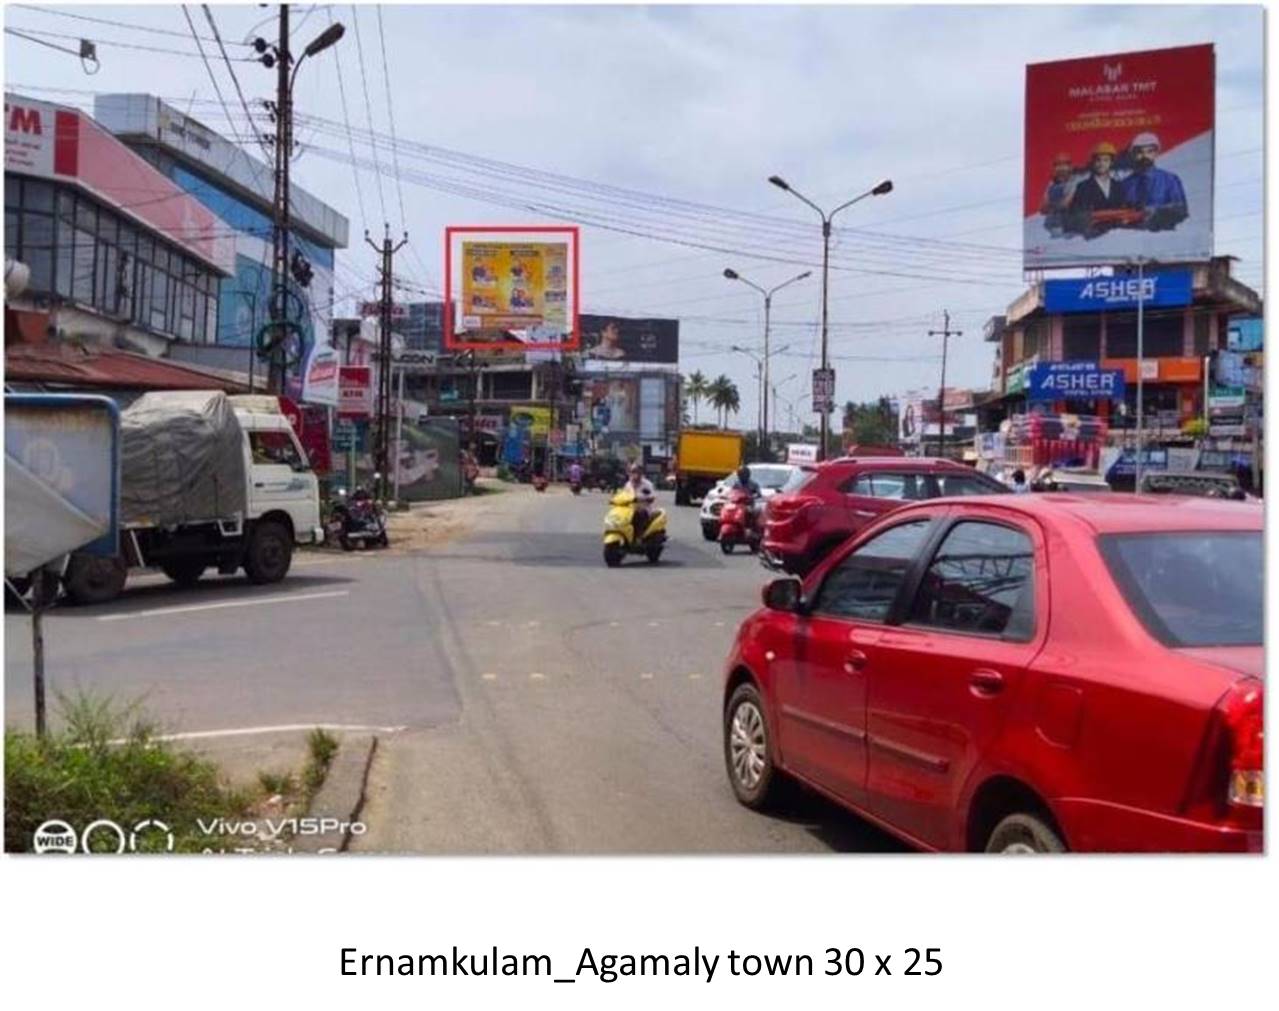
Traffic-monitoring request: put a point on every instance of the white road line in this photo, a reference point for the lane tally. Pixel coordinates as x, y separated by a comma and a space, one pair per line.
488, 677
695, 677
646, 677
283, 728
537, 676
282, 598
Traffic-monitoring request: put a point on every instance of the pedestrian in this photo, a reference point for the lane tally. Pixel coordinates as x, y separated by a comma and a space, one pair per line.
1020, 487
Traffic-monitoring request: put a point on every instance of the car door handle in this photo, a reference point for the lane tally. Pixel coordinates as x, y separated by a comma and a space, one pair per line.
985, 683
854, 662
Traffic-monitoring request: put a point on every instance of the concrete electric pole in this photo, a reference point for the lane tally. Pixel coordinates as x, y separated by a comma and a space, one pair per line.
946, 333
382, 444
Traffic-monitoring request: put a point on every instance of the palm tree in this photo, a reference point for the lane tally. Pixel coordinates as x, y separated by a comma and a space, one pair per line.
723, 395
696, 388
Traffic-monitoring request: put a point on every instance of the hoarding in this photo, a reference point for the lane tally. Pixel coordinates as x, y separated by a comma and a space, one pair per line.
1119, 158
537, 420
615, 405
1107, 294
619, 339
1075, 381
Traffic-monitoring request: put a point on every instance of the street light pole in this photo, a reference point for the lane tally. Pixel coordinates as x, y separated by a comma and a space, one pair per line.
885, 187
768, 294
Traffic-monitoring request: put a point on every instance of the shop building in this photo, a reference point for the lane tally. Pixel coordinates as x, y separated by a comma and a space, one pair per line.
237, 188
115, 253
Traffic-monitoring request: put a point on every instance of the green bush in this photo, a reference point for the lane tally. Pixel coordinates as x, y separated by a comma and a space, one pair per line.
108, 764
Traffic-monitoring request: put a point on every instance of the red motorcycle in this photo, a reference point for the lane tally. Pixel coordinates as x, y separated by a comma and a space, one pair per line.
740, 522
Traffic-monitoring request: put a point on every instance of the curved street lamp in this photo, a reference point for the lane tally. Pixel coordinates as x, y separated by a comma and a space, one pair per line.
878, 191
768, 294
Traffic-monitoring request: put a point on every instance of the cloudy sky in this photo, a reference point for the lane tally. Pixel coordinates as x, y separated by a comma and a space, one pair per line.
683, 113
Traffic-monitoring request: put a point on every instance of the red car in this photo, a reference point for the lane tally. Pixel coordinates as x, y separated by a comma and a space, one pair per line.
1022, 673
824, 504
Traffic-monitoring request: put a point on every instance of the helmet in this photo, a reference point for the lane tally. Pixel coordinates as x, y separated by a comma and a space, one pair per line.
743, 473
1146, 140
1105, 147
636, 468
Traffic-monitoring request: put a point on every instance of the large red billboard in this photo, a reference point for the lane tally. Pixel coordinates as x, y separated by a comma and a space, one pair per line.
1119, 158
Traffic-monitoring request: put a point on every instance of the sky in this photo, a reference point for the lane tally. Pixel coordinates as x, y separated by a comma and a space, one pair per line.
685, 112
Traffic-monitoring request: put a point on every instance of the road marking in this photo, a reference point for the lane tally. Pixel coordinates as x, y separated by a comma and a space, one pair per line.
537, 676
719, 624
614, 624
493, 624
652, 624
282, 728
281, 598
695, 677
646, 677
533, 624
488, 677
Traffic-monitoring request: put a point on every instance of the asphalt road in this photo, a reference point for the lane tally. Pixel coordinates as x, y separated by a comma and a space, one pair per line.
529, 699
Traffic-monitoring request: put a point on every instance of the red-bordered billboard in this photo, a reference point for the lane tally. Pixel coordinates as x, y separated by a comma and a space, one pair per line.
512, 286
1119, 158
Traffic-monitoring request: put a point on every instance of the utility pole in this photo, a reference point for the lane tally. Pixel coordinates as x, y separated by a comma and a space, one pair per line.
946, 333
280, 226
382, 445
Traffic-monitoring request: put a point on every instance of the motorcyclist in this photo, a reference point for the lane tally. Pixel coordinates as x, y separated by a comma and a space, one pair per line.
575, 473
747, 484
645, 496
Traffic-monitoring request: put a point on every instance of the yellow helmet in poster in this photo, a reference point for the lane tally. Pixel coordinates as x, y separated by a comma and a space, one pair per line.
512, 286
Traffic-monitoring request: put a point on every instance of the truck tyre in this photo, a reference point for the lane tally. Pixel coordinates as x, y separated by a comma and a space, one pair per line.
681, 494
270, 553
93, 580
184, 571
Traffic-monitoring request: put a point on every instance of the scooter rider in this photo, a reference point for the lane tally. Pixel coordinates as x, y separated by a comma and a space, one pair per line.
645, 496
751, 487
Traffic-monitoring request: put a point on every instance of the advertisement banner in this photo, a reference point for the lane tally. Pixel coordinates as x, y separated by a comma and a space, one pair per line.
617, 339
314, 437
355, 391
1075, 381
1119, 158
1106, 294
801, 452
320, 381
615, 405
537, 420
823, 391
513, 285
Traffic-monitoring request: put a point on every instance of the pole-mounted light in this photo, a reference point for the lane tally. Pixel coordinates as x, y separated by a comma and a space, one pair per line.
325, 39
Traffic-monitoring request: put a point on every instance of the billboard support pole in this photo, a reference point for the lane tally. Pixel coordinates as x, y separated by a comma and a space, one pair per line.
1141, 362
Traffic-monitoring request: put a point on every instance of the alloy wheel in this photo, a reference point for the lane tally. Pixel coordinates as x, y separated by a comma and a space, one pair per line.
748, 747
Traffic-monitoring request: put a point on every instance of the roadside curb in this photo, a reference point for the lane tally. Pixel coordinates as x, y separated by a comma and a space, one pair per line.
340, 799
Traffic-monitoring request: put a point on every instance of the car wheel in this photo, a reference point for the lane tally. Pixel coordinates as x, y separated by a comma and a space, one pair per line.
748, 750
1024, 833
184, 572
270, 553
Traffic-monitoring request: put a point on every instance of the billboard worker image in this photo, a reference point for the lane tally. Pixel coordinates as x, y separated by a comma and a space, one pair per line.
1099, 192
1155, 192
1058, 195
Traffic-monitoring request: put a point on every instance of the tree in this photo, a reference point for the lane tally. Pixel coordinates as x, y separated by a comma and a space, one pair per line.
870, 424
717, 394
697, 389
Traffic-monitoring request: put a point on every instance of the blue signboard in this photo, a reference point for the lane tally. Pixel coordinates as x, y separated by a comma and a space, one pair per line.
1125, 464
1120, 292
1074, 381
351, 433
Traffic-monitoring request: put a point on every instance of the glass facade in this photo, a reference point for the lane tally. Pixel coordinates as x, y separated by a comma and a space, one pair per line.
79, 250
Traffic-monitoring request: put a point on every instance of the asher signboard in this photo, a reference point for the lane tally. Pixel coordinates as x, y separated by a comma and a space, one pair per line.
1049, 381
1104, 294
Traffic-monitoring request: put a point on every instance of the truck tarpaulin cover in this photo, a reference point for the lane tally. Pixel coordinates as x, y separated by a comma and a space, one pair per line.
182, 459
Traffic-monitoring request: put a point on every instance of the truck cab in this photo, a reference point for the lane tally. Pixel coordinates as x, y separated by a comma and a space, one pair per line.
280, 476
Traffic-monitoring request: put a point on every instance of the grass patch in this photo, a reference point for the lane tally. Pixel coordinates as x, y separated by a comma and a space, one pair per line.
321, 748
277, 783
107, 764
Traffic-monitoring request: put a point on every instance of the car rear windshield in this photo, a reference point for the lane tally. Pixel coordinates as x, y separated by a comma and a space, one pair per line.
798, 479
771, 477
1192, 588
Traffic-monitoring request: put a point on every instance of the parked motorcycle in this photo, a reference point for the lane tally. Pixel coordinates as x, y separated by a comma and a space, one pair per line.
740, 522
621, 537
358, 521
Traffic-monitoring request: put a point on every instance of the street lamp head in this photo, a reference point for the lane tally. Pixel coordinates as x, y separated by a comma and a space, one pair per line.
885, 187
326, 38
730, 273
779, 182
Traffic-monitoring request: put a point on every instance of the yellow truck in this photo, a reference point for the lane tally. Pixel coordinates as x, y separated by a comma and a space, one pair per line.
703, 457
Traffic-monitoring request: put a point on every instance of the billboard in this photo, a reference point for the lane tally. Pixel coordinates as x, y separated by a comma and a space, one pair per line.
618, 340
1119, 158
615, 405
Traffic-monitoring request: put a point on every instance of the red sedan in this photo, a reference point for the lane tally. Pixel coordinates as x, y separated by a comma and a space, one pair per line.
1029, 673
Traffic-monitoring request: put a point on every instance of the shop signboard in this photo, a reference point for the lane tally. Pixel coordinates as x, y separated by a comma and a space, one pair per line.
1050, 381
801, 452
350, 433
1123, 463
1122, 291
823, 391
355, 391
1119, 158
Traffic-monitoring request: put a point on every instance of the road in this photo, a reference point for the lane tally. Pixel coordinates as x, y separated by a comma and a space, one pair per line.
528, 699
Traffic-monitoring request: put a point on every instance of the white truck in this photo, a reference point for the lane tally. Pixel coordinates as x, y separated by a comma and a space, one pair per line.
207, 481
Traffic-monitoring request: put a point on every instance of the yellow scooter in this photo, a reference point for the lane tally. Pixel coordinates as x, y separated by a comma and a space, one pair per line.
619, 531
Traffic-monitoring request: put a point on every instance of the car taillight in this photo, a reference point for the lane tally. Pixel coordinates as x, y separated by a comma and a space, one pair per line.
790, 506
1241, 719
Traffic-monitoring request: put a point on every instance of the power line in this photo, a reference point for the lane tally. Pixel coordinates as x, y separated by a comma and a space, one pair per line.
234, 80
207, 66
132, 26
112, 42
390, 115
368, 106
346, 118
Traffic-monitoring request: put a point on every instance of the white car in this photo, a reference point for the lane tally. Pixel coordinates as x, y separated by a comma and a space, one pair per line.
769, 476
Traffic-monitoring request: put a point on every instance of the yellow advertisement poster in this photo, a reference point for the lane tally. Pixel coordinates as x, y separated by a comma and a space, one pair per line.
536, 419
513, 285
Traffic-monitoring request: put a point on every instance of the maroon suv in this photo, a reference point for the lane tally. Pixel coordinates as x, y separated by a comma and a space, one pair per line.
824, 504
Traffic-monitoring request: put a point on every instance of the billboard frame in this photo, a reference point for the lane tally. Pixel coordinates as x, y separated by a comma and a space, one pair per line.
450, 341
